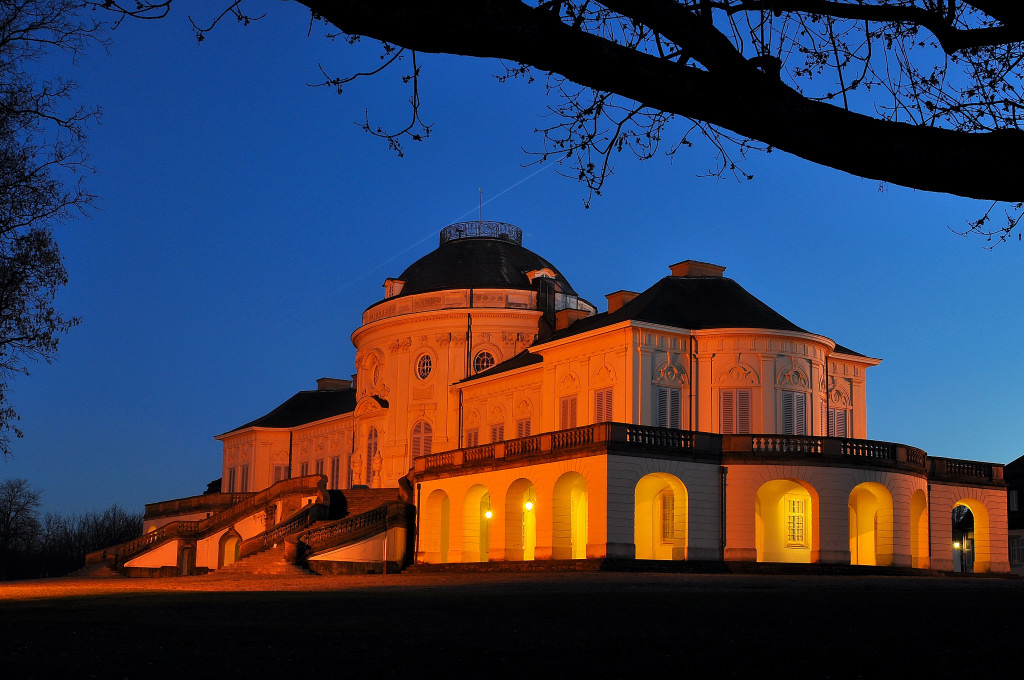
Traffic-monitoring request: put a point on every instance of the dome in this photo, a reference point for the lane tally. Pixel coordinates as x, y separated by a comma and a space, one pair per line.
478, 255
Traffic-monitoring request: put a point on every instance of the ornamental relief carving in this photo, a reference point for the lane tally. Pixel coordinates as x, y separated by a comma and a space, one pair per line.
739, 374
569, 383
400, 345
511, 339
473, 417
838, 399
442, 339
671, 373
794, 377
524, 409
498, 414
605, 375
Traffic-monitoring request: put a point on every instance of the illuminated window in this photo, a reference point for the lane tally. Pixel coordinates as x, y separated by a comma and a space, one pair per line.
423, 366
498, 432
472, 437
796, 522
669, 407
422, 439
567, 412
735, 411
335, 479
794, 413
667, 516
603, 405
523, 428
243, 485
482, 361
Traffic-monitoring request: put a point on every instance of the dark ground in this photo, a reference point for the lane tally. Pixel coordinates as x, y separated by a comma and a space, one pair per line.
540, 625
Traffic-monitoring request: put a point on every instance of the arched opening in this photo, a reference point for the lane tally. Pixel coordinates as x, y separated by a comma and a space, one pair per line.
919, 530
785, 521
434, 533
971, 540
230, 548
660, 518
477, 515
187, 561
870, 507
521, 520
569, 531
422, 439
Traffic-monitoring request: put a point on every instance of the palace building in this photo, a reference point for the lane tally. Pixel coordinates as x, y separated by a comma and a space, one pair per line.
496, 415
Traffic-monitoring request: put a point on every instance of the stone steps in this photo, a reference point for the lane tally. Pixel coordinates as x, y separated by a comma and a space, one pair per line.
270, 562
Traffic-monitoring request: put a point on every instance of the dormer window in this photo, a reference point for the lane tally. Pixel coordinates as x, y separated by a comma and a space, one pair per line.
392, 287
544, 273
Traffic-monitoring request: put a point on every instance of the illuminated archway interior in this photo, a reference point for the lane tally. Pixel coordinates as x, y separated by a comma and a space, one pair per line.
477, 516
569, 533
521, 520
783, 521
434, 535
660, 512
230, 549
870, 508
972, 532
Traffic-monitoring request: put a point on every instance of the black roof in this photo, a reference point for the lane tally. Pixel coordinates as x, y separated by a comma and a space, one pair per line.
478, 262
524, 358
694, 303
307, 406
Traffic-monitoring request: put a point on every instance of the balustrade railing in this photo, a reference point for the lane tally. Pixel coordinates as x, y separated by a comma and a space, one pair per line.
786, 444
866, 448
354, 528
659, 436
579, 436
478, 454
517, 448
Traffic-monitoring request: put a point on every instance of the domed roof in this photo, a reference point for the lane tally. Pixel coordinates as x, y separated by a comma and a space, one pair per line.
478, 255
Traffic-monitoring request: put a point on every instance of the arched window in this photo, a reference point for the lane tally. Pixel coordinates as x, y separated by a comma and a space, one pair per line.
371, 443
422, 439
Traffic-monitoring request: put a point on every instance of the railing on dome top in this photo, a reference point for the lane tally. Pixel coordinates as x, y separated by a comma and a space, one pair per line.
503, 230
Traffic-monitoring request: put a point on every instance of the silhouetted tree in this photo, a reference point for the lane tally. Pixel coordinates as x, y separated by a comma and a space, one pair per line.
41, 153
19, 523
922, 93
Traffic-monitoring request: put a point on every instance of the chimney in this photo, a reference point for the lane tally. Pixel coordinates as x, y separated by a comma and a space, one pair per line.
695, 268
328, 384
567, 317
619, 298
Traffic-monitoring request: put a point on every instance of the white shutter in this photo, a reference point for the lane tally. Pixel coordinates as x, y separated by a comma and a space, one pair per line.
800, 413
522, 428
728, 419
567, 413
675, 408
743, 411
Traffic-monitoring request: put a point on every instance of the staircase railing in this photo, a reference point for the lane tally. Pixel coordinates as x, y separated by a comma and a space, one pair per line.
352, 529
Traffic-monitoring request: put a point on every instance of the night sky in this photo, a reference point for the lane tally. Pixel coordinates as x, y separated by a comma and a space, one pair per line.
245, 223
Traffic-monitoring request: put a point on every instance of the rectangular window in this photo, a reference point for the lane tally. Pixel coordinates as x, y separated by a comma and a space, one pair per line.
794, 413
304, 469
280, 473
1012, 500
335, 473
837, 423
522, 428
498, 433
567, 412
796, 518
669, 407
320, 466
603, 405
735, 411
667, 516
472, 437
243, 485
1016, 550
232, 472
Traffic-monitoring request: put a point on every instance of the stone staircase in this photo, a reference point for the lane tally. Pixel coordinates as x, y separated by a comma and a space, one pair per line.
270, 562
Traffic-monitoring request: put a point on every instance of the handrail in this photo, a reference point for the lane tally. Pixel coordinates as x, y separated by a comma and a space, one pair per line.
350, 529
300, 520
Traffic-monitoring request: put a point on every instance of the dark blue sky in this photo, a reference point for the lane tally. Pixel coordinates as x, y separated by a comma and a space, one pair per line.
245, 222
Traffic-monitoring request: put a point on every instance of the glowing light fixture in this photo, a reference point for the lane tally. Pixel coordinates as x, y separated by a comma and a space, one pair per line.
528, 505
488, 514
956, 545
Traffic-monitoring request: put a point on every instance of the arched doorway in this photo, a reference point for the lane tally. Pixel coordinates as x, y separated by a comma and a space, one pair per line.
434, 534
660, 518
187, 561
230, 548
521, 520
870, 508
570, 528
919, 530
785, 521
971, 531
477, 515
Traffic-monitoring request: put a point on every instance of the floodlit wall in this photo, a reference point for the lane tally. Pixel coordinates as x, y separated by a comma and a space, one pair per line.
369, 550
164, 555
